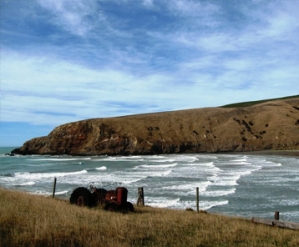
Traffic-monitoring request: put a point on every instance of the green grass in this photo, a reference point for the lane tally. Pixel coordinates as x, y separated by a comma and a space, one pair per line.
251, 103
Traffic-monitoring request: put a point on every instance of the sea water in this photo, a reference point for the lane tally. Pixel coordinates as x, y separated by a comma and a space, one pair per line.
231, 184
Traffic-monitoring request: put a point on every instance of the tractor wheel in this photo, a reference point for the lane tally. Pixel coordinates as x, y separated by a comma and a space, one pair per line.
111, 206
130, 207
82, 197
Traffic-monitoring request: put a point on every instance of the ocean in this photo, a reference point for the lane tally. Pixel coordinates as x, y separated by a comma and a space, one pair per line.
242, 185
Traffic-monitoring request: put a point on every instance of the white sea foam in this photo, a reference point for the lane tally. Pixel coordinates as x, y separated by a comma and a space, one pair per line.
61, 192
41, 165
208, 167
238, 160
106, 158
166, 173
217, 193
195, 171
132, 180
207, 157
41, 192
271, 164
160, 174
239, 173
210, 164
119, 158
59, 159
188, 186
224, 180
102, 168
131, 157
107, 178
239, 163
185, 158
243, 159
161, 202
163, 161
27, 175
30, 183
155, 166
205, 205
155, 157
48, 193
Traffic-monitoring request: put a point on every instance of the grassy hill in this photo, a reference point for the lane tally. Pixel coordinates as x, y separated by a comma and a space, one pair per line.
251, 126
251, 103
30, 220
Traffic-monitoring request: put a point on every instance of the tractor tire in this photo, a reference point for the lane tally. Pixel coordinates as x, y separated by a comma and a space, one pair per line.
112, 207
130, 207
82, 197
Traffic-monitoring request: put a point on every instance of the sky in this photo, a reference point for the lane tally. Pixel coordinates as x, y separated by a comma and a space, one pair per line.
64, 60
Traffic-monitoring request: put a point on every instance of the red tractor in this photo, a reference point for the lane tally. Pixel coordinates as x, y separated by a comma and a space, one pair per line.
111, 200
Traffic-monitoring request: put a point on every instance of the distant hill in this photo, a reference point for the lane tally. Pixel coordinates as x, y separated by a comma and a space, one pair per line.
250, 126
251, 103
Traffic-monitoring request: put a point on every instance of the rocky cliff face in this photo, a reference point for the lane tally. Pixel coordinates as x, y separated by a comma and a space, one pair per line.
269, 126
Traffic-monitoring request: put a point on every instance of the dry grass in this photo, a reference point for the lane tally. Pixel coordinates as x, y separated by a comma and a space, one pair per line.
28, 220
272, 125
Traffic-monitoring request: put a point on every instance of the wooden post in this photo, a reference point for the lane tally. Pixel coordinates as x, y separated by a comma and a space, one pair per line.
54, 187
140, 200
197, 199
276, 215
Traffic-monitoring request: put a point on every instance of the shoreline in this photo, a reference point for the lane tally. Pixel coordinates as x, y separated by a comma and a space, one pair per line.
294, 153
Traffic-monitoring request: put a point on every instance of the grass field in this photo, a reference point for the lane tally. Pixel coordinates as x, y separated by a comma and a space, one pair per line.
251, 103
30, 220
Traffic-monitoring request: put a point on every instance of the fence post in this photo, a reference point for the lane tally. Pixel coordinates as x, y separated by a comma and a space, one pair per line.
276, 215
54, 187
140, 200
197, 199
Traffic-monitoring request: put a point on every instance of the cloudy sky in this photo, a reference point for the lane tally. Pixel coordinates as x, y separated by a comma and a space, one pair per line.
66, 60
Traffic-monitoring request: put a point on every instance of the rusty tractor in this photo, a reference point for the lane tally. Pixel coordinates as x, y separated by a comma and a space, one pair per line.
110, 200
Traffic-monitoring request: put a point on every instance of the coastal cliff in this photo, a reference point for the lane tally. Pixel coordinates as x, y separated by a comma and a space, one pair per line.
273, 125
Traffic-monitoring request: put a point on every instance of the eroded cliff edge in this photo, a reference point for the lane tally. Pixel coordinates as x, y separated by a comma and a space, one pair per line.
269, 126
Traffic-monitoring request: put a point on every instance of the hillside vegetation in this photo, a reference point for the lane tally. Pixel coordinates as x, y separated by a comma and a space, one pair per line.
271, 125
30, 220
251, 103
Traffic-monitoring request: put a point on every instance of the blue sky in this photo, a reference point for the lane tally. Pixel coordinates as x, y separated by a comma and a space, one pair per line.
65, 60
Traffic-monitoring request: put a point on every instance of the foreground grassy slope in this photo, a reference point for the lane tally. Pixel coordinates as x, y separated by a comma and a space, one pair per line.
28, 220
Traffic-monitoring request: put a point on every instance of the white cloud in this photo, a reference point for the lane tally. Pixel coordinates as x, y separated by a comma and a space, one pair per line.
73, 91
194, 58
148, 3
190, 8
275, 20
78, 16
